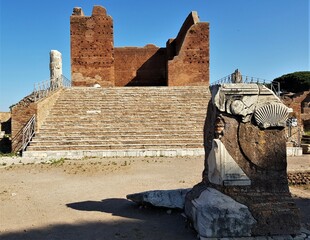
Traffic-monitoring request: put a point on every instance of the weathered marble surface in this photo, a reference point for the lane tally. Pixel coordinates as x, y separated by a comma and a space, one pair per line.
160, 198
244, 99
55, 68
223, 169
216, 214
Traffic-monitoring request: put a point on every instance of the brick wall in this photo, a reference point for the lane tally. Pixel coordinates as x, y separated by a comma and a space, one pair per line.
298, 102
184, 61
24, 110
191, 64
92, 49
140, 66
21, 113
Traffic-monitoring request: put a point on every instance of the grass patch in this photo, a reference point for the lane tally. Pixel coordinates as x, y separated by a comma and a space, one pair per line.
57, 162
8, 154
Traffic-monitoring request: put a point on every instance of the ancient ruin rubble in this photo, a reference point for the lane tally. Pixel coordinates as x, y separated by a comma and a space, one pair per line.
163, 117
257, 145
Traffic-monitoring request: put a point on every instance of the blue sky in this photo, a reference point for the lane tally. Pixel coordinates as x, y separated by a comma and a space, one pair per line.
263, 38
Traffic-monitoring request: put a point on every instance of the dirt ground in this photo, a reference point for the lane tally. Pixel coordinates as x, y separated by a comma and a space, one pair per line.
86, 199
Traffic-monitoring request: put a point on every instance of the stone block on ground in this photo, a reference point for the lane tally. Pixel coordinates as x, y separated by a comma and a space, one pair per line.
161, 198
215, 214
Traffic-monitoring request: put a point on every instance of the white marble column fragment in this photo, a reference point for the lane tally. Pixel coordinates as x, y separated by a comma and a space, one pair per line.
55, 69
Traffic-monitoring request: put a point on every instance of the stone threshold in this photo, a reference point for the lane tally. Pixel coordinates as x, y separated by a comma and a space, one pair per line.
77, 154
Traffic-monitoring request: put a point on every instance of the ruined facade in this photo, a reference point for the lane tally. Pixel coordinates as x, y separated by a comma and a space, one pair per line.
95, 60
300, 103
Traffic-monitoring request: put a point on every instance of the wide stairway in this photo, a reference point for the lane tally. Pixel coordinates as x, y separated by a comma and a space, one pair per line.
127, 121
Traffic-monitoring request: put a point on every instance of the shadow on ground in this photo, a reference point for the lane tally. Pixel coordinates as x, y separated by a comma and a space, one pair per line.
137, 223
304, 205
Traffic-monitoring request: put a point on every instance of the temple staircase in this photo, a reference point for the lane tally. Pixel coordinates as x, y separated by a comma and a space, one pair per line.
124, 121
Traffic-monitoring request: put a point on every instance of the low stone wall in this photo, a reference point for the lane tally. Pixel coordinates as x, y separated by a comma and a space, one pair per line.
5, 116
299, 178
293, 151
24, 110
5, 123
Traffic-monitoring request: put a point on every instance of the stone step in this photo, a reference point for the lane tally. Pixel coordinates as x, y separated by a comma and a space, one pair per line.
126, 117
119, 131
116, 135
114, 146
305, 139
129, 134
118, 119
128, 108
151, 91
120, 126
138, 110
124, 127
95, 141
122, 119
130, 102
78, 154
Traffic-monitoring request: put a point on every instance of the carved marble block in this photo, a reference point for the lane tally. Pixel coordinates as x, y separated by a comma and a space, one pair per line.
245, 147
223, 169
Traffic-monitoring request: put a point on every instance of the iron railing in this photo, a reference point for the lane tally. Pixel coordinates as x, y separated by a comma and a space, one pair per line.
43, 89
274, 86
245, 79
28, 132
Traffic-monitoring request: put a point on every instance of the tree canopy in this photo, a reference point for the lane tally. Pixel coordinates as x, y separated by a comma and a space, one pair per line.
294, 82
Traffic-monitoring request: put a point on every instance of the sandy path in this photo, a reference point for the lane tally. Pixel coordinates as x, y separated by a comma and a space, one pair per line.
86, 199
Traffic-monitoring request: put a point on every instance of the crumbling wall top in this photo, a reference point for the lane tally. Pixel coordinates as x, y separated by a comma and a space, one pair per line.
99, 11
191, 20
77, 11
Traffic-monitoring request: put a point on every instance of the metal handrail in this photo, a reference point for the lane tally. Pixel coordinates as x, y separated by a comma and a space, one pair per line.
28, 132
44, 88
247, 79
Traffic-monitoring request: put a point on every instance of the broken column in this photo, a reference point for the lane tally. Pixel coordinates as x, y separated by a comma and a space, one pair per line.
55, 69
245, 148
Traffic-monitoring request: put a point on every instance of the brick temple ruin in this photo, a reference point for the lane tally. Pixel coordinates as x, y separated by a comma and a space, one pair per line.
165, 111
95, 60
